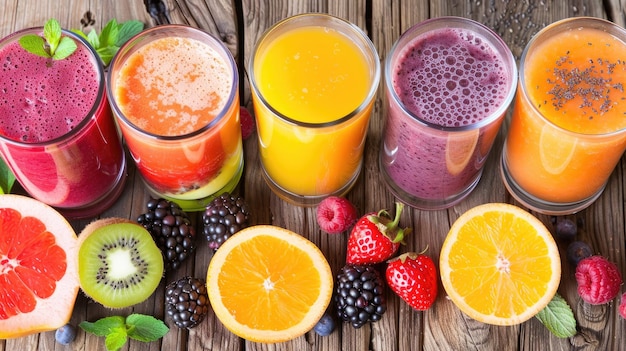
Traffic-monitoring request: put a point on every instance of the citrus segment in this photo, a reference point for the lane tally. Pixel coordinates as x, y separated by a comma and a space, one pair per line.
268, 284
459, 150
38, 277
556, 151
499, 264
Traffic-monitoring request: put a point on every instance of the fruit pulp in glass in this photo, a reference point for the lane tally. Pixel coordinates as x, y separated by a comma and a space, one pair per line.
58, 135
312, 75
564, 140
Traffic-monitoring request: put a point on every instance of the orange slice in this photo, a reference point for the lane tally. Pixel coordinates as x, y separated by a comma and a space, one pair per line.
556, 151
499, 264
460, 149
268, 284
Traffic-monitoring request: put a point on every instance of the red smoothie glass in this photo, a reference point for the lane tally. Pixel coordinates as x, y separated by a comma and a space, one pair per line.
57, 133
448, 83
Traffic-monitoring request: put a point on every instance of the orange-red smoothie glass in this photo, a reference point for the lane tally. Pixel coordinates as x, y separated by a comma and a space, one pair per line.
568, 129
174, 92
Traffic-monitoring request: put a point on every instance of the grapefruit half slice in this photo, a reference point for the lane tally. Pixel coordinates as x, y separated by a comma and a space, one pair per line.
38, 275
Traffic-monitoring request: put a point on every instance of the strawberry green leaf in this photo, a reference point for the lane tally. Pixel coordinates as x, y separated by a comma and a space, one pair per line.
127, 30
558, 317
34, 44
66, 47
145, 328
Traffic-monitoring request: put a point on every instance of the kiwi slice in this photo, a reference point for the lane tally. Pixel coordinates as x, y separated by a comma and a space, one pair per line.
119, 264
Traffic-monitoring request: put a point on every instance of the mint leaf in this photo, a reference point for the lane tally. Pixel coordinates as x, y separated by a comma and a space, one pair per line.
558, 317
145, 328
93, 39
7, 179
127, 30
107, 53
34, 44
108, 35
52, 33
116, 339
103, 326
66, 47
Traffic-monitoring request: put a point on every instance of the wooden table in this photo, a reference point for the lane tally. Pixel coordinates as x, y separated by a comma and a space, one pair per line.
239, 24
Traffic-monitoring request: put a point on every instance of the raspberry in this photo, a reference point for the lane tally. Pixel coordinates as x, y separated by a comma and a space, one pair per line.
598, 280
622, 306
247, 122
336, 214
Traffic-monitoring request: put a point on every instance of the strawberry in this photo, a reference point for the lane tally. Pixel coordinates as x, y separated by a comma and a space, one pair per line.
413, 277
375, 238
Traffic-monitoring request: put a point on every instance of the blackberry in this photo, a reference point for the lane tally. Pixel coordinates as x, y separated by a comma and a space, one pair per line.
360, 295
186, 301
171, 229
224, 216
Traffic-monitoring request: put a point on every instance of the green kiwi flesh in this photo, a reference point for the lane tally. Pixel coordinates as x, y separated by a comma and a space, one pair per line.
119, 264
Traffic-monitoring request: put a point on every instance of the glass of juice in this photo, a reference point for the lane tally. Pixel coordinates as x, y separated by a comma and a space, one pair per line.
313, 79
448, 84
568, 129
174, 92
56, 130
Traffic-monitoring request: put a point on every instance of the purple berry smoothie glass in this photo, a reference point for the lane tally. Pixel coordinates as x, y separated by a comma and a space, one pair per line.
448, 84
56, 130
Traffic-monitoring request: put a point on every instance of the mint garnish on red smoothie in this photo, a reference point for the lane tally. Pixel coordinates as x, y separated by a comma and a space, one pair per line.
52, 44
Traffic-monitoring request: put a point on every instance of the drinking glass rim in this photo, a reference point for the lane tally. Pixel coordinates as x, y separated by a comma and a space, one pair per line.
452, 22
138, 39
564, 25
99, 67
350, 27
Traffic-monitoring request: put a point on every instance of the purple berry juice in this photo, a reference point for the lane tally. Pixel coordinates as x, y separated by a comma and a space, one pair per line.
56, 129
449, 82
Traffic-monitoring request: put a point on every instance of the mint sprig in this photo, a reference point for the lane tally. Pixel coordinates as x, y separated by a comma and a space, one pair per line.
558, 317
52, 45
111, 37
7, 179
116, 329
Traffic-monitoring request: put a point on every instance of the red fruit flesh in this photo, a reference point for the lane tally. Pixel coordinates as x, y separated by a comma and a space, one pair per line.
38, 274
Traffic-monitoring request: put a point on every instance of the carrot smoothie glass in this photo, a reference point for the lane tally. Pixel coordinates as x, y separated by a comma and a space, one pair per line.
56, 130
313, 79
568, 129
448, 84
174, 91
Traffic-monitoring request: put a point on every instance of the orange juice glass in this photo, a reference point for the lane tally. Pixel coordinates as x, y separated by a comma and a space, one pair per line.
313, 79
174, 92
568, 129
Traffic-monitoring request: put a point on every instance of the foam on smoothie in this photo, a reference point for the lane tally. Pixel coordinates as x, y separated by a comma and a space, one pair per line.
173, 86
450, 78
42, 99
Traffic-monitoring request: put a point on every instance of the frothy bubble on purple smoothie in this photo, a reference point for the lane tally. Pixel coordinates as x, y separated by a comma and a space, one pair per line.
451, 78
39, 103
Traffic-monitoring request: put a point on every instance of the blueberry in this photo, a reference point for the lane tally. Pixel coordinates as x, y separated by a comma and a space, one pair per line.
566, 229
577, 251
66, 334
325, 325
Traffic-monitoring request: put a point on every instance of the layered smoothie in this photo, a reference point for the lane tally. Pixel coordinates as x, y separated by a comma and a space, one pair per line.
569, 123
447, 90
177, 101
313, 98
56, 129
